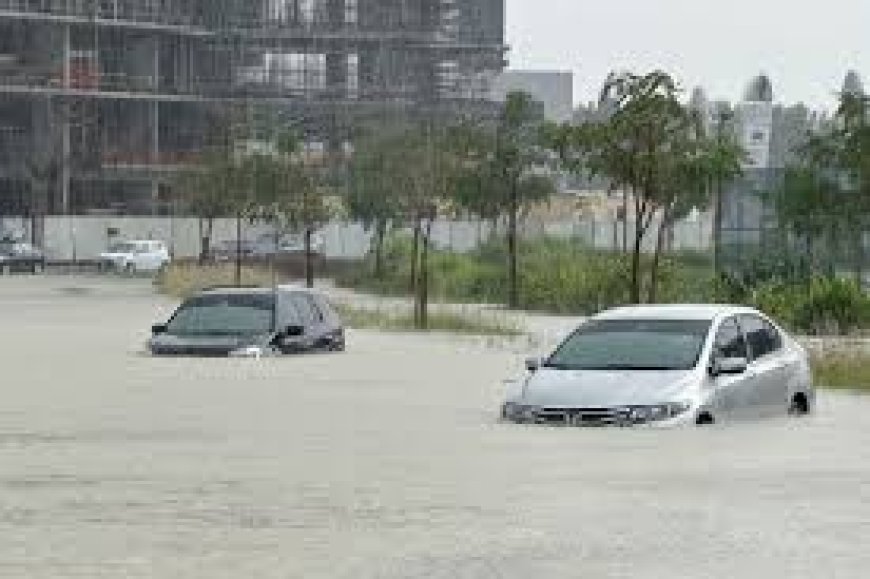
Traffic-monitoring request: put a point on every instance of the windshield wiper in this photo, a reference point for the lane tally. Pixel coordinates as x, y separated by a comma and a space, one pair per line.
555, 366
628, 367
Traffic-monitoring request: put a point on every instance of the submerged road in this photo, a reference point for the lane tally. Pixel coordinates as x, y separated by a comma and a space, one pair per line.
386, 461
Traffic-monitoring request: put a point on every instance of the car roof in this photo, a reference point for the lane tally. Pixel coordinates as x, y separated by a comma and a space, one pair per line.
701, 312
258, 290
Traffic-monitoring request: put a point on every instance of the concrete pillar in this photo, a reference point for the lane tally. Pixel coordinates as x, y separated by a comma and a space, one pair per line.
66, 56
154, 121
65, 159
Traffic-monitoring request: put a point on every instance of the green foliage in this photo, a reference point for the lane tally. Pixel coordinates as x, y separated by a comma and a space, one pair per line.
181, 280
846, 371
653, 147
455, 323
557, 275
823, 306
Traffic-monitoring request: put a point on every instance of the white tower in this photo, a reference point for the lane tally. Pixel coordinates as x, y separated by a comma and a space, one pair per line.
755, 123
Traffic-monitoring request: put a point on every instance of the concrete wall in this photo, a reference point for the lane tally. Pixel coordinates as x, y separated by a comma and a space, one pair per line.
68, 238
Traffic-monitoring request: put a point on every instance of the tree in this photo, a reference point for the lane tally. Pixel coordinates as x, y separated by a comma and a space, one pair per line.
852, 141
827, 191
215, 188
502, 171
288, 192
373, 195
653, 148
641, 146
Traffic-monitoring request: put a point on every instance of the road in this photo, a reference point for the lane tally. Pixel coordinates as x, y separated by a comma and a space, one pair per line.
384, 462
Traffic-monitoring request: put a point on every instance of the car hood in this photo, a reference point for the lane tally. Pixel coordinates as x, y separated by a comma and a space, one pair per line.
553, 388
168, 344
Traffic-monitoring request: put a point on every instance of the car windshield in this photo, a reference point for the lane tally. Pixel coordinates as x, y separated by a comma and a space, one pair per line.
124, 248
223, 315
632, 345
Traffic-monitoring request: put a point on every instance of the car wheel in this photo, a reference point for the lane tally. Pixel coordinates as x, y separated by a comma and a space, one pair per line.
5, 270
130, 268
799, 405
38, 268
705, 419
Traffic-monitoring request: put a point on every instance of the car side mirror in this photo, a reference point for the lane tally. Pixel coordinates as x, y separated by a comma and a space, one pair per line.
728, 366
158, 329
533, 364
294, 331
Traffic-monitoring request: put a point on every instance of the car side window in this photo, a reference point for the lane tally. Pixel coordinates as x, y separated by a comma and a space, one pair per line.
315, 309
305, 308
730, 342
763, 338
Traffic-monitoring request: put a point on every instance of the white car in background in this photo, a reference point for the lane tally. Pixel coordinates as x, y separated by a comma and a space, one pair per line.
135, 256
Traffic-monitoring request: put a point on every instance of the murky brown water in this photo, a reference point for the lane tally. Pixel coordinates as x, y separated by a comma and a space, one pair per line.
384, 462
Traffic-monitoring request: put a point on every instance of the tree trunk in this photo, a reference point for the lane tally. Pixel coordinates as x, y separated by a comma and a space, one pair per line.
380, 233
635, 257
238, 250
424, 280
717, 227
309, 259
513, 278
206, 231
664, 227
415, 250
860, 254
624, 220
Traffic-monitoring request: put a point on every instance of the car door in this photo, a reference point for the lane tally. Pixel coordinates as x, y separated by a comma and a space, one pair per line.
139, 256
767, 364
310, 319
733, 393
319, 326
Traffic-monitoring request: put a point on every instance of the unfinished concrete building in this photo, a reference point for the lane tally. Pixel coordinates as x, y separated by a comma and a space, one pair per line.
102, 101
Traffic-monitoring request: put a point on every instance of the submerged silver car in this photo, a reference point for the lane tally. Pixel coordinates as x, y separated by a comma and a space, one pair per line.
665, 366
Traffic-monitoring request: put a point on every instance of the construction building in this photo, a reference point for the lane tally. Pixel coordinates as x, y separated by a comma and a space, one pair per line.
102, 101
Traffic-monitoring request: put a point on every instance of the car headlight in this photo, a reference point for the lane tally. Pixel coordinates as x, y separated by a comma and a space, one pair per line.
655, 413
520, 412
256, 352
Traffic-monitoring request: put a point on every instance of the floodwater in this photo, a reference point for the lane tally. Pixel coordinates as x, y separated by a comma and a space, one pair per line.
386, 461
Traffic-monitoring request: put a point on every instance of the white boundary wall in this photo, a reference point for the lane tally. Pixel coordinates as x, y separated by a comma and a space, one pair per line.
82, 238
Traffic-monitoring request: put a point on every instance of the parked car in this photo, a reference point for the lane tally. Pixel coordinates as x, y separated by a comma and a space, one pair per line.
250, 322
666, 365
264, 247
135, 256
20, 256
228, 250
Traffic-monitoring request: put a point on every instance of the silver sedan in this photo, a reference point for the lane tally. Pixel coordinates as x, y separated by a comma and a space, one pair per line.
665, 366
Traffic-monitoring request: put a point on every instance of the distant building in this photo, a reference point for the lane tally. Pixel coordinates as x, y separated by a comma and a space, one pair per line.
554, 90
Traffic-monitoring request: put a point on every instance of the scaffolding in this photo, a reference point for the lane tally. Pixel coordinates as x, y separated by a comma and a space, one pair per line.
101, 101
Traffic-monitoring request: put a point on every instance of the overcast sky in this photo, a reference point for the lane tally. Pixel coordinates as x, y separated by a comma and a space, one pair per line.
806, 46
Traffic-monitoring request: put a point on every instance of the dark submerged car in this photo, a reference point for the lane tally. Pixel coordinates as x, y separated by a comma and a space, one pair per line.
250, 323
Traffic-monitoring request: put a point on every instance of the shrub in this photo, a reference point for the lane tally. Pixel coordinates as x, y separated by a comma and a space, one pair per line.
822, 306
183, 279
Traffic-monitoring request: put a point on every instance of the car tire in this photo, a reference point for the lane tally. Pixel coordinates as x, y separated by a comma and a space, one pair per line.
130, 269
799, 405
38, 268
6, 270
705, 419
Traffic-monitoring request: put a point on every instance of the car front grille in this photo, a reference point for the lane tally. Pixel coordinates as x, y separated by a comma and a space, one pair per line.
582, 417
193, 352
